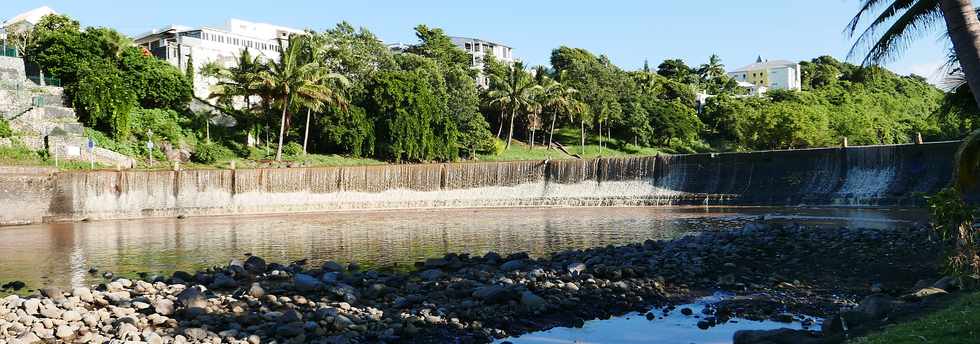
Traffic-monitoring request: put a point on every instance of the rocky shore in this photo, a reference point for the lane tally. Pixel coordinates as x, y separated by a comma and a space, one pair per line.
776, 270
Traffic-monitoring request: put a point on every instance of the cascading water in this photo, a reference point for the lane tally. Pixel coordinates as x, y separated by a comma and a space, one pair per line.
877, 175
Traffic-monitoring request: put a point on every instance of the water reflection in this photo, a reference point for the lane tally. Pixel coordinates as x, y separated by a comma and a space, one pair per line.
61, 254
674, 328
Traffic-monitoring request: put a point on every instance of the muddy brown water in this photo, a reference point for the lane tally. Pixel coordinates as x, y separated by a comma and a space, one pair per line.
61, 254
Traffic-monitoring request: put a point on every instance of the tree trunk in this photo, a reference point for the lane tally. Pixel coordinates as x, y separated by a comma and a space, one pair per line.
500, 128
306, 134
532, 140
964, 31
207, 129
510, 133
282, 131
600, 137
551, 131
582, 127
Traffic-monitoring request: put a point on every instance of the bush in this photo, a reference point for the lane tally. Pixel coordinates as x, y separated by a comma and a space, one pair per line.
292, 149
211, 152
5, 130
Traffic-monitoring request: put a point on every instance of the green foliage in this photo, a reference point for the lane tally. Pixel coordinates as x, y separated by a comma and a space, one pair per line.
410, 123
954, 323
157, 84
164, 123
292, 149
211, 152
102, 98
5, 130
952, 219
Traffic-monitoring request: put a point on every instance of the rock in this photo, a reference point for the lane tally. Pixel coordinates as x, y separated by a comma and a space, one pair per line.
223, 281
495, 294
687, 311
127, 331
512, 265
784, 317
51, 312
876, 306
431, 275
53, 293
255, 265
82, 293
532, 301
256, 291
330, 277
65, 332
332, 266
344, 292
192, 298
292, 329
182, 277
948, 283
923, 293
70, 316
164, 307
196, 333
780, 336
876, 288
14, 285
575, 268
32, 306
342, 323
651, 316
304, 283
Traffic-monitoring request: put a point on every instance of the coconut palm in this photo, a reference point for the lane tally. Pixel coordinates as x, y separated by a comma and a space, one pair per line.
559, 100
332, 85
713, 69
898, 22
516, 92
290, 78
241, 80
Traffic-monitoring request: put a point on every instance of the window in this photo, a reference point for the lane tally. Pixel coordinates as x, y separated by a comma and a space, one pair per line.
468, 46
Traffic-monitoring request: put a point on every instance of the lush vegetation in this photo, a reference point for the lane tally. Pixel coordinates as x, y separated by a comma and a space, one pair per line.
958, 323
341, 92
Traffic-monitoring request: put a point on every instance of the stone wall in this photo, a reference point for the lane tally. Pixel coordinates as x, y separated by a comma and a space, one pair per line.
857, 176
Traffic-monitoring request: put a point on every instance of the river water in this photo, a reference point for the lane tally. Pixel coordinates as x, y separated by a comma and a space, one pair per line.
62, 254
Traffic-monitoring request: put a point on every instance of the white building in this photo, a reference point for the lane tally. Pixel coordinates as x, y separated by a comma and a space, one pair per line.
25, 21
764, 75
479, 49
178, 44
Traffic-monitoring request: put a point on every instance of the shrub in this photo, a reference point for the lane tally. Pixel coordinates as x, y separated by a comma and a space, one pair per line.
5, 130
292, 149
211, 152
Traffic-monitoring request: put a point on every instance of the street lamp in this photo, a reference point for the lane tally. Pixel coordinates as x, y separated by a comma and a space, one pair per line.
149, 145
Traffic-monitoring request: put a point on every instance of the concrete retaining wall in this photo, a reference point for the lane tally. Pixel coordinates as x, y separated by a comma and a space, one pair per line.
877, 175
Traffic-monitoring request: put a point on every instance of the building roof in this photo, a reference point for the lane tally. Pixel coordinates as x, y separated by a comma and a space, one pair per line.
457, 39
767, 65
32, 16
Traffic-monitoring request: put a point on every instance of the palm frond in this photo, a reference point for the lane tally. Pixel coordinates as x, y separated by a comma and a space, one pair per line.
917, 17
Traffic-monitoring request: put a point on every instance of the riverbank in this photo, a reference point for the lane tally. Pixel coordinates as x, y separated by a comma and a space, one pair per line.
784, 268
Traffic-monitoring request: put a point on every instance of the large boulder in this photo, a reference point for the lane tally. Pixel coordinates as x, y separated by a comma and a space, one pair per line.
780, 336
304, 282
192, 298
495, 294
255, 265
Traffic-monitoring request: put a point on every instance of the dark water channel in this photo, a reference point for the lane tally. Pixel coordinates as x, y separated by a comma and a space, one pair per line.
61, 254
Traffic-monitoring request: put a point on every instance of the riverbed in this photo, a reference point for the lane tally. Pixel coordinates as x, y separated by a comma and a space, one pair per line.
62, 254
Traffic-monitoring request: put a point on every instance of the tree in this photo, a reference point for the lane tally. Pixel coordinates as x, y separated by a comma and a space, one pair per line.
560, 100
516, 92
674, 69
241, 80
900, 21
189, 70
329, 86
713, 69
291, 77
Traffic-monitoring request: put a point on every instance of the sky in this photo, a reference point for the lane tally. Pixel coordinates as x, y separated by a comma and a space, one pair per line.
628, 32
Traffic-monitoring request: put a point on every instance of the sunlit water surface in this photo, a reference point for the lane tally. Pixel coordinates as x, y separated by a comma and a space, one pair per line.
61, 254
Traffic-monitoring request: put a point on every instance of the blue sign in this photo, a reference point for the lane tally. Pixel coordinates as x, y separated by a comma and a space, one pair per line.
91, 144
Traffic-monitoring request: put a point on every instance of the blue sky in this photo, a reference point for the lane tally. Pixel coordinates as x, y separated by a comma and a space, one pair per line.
626, 31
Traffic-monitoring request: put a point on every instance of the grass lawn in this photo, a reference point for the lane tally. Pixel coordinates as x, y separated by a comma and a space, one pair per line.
957, 323
569, 137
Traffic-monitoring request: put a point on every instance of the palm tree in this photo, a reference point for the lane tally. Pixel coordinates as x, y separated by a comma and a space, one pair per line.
331, 84
516, 92
290, 78
559, 100
900, 21
713, 69
241, 80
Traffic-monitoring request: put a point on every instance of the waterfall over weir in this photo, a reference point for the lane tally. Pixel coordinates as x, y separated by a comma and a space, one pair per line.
873, 175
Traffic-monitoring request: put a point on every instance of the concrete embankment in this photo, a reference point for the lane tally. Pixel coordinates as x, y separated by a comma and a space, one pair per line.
874, 175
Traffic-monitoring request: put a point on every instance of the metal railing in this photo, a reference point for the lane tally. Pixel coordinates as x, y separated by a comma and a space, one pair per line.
7, 50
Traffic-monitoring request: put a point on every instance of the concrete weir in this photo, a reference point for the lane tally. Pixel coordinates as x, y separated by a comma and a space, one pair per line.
861, 176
